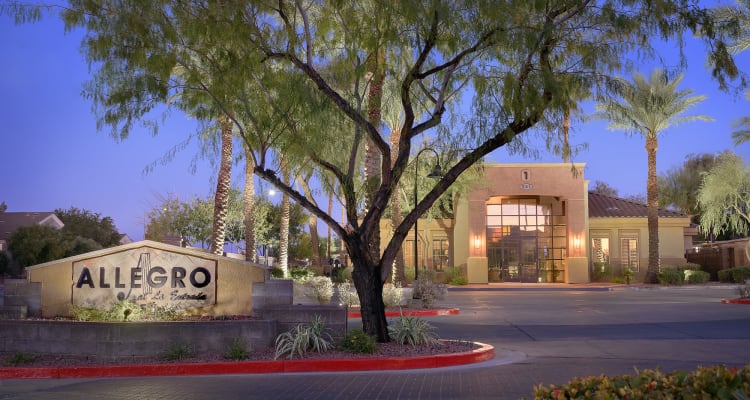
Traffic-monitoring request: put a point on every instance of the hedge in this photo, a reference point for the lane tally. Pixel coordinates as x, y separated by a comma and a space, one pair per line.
717, 382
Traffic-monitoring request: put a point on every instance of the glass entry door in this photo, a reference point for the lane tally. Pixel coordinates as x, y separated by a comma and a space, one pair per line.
526, 239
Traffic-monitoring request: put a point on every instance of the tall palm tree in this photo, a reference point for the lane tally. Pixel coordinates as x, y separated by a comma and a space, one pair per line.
739, 42
249, 207
284, 229
312, 221
223, 184
648, 107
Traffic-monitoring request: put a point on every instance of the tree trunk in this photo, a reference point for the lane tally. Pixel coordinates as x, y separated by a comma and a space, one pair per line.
369, 287
284, 228
566, 136
652, 211
249, 208
330, 212
397, 274
313, 223
376, 65
221, 199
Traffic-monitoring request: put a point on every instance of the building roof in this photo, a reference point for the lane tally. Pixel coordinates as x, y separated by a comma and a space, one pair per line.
602, 206
10, 221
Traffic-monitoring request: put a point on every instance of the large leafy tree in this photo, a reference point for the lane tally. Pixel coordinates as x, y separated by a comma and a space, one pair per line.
724, 197
36, 244
647, 107
603, 188
734, 21
526, 62
88, 224
679, 186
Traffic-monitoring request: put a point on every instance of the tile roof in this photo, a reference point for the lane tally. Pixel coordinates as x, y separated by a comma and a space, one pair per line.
602, 206
10, 221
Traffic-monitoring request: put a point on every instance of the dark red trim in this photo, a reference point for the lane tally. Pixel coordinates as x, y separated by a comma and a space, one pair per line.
412, 313
484, 353
735, 301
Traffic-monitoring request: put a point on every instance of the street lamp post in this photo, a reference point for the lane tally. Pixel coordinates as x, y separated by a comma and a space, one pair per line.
436, 173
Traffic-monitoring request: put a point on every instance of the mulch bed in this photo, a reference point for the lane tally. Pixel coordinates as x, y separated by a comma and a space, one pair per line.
384, 350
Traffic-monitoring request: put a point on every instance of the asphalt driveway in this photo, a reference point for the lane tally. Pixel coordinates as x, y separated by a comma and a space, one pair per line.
541, 336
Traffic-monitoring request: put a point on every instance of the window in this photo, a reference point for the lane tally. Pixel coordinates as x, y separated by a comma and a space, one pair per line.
408, 250
600, 250
629, 253
440, 253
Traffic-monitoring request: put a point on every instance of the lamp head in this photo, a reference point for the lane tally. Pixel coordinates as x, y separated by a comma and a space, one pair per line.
436, 172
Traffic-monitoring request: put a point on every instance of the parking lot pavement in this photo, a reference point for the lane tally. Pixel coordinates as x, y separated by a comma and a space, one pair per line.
541, 336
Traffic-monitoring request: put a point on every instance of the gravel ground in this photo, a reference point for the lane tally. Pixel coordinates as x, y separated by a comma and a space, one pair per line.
384, 350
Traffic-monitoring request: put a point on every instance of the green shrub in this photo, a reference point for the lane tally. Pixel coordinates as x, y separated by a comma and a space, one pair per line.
681, 267
322, 288
303, 338
693, 277
392, 295
87, 314
301, 274
718, 382
357, 341
412, 330
740, 274
671, 277
601, 272
277, 272
428, 290
409, 274
734, 275
724, 275
343, 274
347, 295
125, 311
18, 359
459, 281
4, 263
455, 276
237, 350
177, 352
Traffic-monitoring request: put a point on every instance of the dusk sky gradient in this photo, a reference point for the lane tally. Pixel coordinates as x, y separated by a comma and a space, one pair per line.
52, 156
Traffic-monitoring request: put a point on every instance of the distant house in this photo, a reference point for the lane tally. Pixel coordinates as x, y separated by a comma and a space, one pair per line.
125, 239
10, 221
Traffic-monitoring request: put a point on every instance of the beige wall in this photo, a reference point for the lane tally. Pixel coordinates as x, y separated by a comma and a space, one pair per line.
427, 229
234, 280
671, 238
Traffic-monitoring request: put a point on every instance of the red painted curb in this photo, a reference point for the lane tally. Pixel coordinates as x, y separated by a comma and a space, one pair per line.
484, 353
411, 313
735, 301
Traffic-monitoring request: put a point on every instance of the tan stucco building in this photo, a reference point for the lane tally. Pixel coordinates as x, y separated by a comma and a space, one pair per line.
540, 223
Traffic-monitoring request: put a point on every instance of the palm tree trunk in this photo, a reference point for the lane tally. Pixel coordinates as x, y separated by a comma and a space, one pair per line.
330, 212
249, 208
652, 211
566, 136
313, 223
284, 229
221, 199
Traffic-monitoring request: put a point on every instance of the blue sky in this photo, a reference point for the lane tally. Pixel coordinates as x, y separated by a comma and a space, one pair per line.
52, 156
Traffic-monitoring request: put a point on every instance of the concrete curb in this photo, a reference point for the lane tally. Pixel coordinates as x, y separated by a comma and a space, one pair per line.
484, 353
735, 301
412, 313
